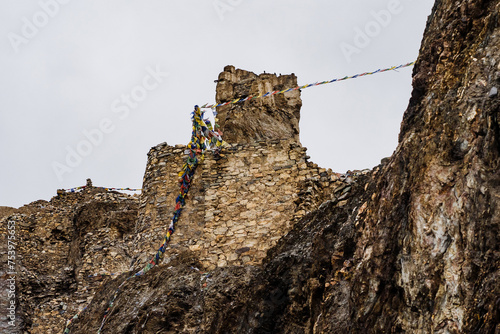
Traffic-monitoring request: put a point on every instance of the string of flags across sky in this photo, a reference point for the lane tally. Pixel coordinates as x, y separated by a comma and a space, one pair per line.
276, 92
75, 189
204, 136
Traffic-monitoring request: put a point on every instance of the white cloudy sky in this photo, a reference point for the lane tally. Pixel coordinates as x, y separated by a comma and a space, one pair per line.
66, 72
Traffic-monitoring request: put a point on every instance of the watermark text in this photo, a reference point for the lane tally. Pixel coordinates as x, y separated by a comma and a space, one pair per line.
31, 27
11, 272
222, 7
363, 36
121, 106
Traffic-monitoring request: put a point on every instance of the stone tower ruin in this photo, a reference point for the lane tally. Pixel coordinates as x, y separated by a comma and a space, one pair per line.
241, 204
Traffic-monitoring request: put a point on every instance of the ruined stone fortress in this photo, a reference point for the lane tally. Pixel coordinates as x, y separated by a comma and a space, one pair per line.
241, 204
238, 207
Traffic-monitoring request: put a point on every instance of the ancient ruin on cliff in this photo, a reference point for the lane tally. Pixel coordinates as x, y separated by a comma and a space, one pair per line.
242, 202
270, 243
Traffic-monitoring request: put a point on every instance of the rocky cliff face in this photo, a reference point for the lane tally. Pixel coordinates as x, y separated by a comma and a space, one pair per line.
429, 245
411, 246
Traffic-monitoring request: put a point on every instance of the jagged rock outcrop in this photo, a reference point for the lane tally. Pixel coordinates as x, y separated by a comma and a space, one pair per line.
58, 245
427, 259
411, 246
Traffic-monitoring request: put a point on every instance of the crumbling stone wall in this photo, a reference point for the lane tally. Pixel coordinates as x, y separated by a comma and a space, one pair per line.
59, 244
241, 204
410, 247
273, 117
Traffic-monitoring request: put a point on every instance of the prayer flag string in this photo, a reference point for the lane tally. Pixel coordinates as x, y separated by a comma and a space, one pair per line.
75, 189
204, 136
276, 92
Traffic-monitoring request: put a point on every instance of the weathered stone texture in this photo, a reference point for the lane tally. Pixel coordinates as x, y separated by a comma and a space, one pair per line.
59, 244
414, 248
270, 243
239, 205
272, 117
270, 298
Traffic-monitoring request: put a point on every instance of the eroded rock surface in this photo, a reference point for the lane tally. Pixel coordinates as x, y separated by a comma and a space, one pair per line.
58, 245
411, 246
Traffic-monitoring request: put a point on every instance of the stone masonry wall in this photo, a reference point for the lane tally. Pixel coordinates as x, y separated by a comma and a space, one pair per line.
238, 206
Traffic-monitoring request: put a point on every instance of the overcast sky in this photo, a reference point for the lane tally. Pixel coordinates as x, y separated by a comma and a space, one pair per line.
88, 87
